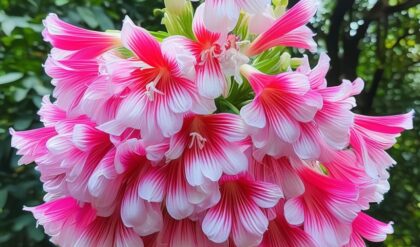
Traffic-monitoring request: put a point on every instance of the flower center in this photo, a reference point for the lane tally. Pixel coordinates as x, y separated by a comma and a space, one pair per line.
197, 138
213, 52
151, 87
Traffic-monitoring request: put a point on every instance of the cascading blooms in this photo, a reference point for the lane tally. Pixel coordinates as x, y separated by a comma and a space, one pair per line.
209, 134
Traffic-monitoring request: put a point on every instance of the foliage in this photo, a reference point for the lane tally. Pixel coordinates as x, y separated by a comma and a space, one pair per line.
388, 60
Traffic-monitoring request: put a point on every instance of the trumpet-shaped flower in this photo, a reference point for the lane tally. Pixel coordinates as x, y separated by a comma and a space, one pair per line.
71, 224
240, 210
288, 30
210, 145
326, 209
282, 102
366, 227
159, 92
371, 136
75, 42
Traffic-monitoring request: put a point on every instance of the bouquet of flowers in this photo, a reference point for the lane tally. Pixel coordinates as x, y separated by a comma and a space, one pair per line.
207, 134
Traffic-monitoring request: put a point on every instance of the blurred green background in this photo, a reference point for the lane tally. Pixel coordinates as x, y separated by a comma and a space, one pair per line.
377, 40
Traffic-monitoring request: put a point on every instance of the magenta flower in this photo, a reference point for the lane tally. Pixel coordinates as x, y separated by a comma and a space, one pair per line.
187, 140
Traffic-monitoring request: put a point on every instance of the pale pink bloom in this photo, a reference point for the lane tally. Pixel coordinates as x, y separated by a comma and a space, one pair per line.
72, 224
176, 233
282, 102
282, 234
240, 211
77, 43
366, 227
326, 209
289, 30
209, 145
371, 136
160, 95
222, 15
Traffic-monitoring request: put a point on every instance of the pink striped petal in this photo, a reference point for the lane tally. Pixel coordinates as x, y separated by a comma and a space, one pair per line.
84, 43
136, 39
287, 27
221, 15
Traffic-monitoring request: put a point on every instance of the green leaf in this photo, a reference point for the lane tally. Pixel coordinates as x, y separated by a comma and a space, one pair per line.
61, 2
88, 16
8, 26
20, 94
10, 77
5, 237
35, 233
23, 123
104, 21
22, 221
3, 198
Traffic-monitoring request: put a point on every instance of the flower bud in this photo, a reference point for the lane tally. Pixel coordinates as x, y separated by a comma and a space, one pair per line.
175, 6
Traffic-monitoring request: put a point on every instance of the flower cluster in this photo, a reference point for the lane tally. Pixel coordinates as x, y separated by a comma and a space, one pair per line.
209, 134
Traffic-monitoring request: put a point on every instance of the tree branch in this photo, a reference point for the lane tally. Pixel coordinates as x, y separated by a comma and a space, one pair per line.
333, 38
400, 7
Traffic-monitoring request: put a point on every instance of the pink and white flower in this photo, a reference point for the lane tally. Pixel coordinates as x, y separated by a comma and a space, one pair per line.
289, 30
210, 145
71, 224
366, 227
184, 232
282, 102
75, 42
240, 211
326, 209
159, 92
216, 56
282, 234
371, 136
